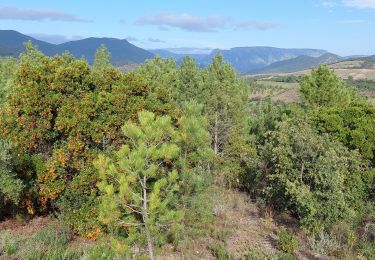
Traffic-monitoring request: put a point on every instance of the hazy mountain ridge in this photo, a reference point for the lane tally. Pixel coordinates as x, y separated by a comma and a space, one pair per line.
300, 63
244, 59
122, 52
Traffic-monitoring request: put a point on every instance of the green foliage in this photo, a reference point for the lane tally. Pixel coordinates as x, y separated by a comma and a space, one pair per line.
137, 187
64, 113
312, 176
189, 83
324, 88
10, 186
195, 138
352, 125
150, 183
102, 58
288, 241
160, 74
224, 98
7, 68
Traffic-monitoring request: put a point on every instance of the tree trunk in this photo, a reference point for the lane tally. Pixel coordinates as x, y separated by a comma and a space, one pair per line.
216, 145
150, 244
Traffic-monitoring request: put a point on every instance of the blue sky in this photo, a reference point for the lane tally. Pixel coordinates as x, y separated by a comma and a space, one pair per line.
344, 27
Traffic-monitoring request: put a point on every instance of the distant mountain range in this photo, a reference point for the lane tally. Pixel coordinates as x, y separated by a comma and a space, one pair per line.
299, 63
123, 53
245, 59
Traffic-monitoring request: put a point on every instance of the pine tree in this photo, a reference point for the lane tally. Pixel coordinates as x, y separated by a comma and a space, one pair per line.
224, 97
189, 83
324, 88
138, 185
102, 57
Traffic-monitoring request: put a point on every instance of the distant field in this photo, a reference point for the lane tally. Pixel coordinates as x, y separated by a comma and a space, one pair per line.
278, 91
344, 69
288, 92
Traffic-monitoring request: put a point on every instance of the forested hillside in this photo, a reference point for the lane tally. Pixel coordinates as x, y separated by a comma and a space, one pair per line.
148, 164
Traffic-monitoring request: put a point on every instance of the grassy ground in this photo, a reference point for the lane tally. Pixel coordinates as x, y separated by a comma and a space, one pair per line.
240, 230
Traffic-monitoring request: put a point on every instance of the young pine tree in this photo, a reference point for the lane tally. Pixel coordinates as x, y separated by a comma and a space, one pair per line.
102, 57
139, 184
224, 97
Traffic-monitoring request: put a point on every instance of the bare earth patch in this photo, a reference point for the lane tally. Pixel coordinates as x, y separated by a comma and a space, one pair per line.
24, 227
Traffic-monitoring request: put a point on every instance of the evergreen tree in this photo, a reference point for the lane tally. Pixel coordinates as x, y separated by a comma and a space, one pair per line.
324, 88
224, 97
138, 185
189, 83
102, 57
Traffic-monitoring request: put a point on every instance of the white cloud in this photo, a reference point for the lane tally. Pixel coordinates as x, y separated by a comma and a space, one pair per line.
329, 4
15, 13
360, 3
192, 23
185, 22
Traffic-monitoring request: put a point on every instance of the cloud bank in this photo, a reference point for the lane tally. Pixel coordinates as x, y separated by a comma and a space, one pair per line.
184, 22
191, 23
360, 3
15, 13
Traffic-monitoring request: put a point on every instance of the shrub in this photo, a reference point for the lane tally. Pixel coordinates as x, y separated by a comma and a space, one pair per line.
352, 125
288, 241
315, 178
323, 243
10, 186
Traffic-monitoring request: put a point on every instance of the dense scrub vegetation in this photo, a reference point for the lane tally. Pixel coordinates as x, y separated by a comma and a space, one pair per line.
137, 156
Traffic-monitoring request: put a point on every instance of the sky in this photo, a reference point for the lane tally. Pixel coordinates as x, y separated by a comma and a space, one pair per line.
344, 27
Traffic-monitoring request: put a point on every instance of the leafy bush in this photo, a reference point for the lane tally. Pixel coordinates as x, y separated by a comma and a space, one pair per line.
7, 69
352, 125
323, 243
288, 241
10, 186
